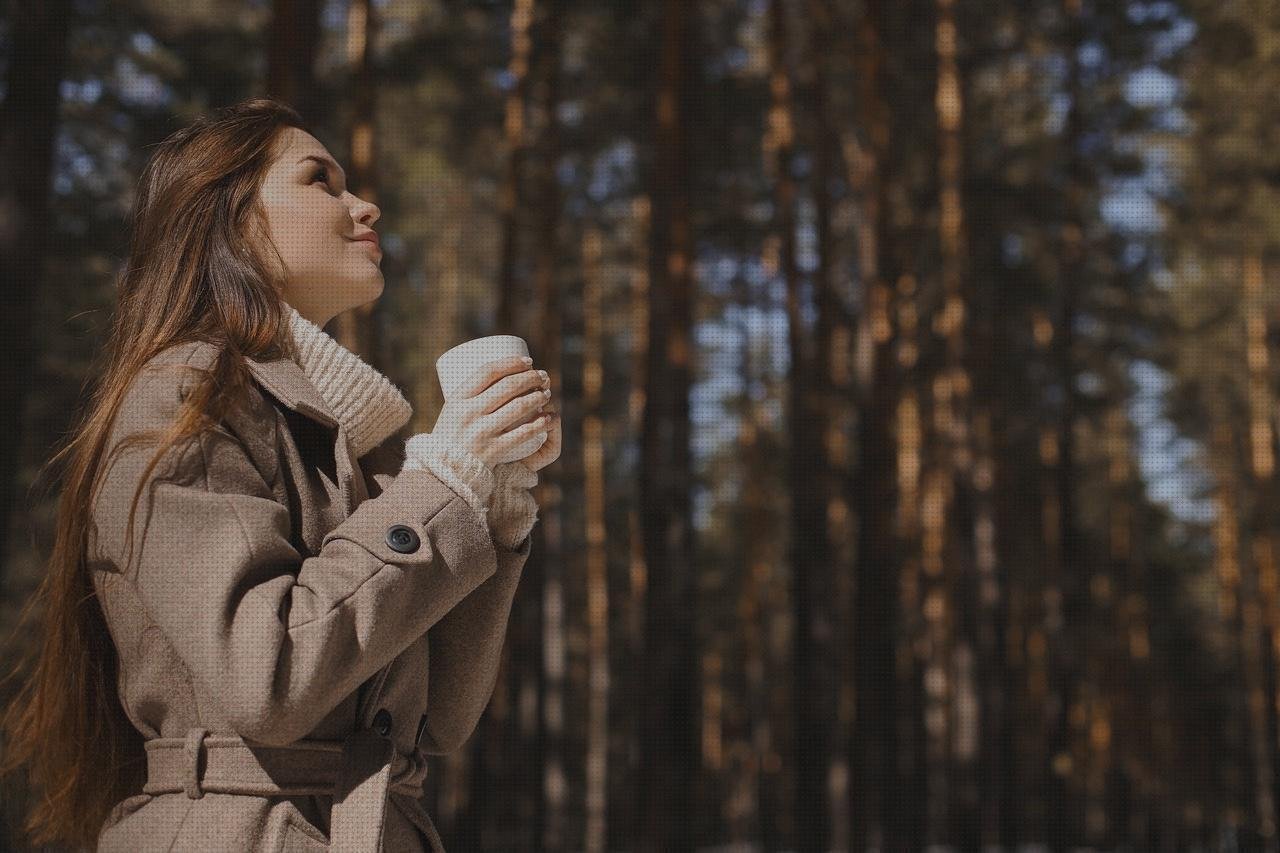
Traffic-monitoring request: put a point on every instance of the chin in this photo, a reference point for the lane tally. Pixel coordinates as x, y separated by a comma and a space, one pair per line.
373, 290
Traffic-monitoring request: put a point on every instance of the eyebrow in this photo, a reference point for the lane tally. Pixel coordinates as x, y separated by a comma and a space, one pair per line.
325, 161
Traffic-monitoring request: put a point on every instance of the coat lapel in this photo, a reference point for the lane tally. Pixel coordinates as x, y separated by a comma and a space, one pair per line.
287, 382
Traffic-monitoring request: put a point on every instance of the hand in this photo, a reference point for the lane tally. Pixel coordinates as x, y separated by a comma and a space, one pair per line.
493, 415
550, 450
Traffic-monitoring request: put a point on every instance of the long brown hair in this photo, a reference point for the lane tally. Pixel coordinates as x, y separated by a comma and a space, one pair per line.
196, 271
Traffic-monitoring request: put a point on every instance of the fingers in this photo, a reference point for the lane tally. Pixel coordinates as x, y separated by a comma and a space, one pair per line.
538, 426
496, 370
549, 451
515, 412
508, 387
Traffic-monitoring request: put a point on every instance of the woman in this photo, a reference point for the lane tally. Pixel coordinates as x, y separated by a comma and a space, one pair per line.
252, 566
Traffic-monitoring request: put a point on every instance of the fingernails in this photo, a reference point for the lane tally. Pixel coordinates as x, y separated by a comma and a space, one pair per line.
526, 359
543, 374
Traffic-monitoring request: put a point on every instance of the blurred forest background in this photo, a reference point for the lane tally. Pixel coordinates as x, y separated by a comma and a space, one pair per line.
918, 368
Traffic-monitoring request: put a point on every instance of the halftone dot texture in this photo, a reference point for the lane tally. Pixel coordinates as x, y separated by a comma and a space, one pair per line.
366, 402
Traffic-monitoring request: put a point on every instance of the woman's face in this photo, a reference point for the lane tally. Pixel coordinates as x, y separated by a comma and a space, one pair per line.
314, 223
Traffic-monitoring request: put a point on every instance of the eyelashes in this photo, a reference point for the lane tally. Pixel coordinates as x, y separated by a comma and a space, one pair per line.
321, 172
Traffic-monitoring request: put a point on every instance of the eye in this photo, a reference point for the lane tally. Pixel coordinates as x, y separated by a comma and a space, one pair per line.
320, 172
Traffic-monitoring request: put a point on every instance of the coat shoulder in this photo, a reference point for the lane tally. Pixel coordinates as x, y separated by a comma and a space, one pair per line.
154, 399
167, 379
241, 457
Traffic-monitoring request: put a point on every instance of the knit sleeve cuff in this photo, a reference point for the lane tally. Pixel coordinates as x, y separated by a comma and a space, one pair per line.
513, 510
464, 472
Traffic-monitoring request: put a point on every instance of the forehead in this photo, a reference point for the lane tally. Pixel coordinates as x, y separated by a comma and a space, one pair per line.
298, 144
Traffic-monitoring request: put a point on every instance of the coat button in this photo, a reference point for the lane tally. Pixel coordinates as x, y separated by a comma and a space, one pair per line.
403, 539
382, 722
422, 728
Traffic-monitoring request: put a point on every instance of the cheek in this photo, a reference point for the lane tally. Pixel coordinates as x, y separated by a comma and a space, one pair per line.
303, 237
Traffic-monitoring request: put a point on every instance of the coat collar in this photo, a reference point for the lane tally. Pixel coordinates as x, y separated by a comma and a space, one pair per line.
287, 382
284, 378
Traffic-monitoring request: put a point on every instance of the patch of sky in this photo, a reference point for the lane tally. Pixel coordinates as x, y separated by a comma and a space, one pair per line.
1054, 66
1131, 209
710, 425
137, 87
86, 92
1012, 248
725, 267
1173, 120
1087, 325
502, 79
801, 165
82, 165
778, 294
1160, 173
1090, 383
570, 113
143, 42
806, 244
1091, 54
334, 15
1163, 457
1167, 43
1151, 87
702, 500
808, 314
726, 63
611, 169
1161, 454
1055, 117
1133, 255
713, 279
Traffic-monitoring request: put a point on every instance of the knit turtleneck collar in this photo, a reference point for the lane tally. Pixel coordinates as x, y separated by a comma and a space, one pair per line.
367, 404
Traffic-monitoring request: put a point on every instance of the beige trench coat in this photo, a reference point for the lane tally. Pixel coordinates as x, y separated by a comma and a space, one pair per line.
275, 623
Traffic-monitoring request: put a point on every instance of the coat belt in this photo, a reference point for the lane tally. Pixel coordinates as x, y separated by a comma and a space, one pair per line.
357, 771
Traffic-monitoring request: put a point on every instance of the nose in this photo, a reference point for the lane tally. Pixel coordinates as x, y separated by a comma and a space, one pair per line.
365, 211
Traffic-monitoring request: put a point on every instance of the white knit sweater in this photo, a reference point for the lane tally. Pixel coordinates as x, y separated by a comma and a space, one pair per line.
371, 409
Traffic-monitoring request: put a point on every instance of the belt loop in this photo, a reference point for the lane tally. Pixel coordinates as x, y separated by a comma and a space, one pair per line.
191, 750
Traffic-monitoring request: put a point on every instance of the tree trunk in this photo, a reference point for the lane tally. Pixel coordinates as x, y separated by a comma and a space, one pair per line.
668, 734
515, 121
292, 42
878, 816
808, 561
28, 125
593, 449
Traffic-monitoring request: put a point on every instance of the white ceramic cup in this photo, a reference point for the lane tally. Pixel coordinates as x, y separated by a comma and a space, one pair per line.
459, 370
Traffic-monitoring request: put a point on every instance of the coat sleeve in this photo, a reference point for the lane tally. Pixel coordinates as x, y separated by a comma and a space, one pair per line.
466, 645
281, 638
382, 463
465, 653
